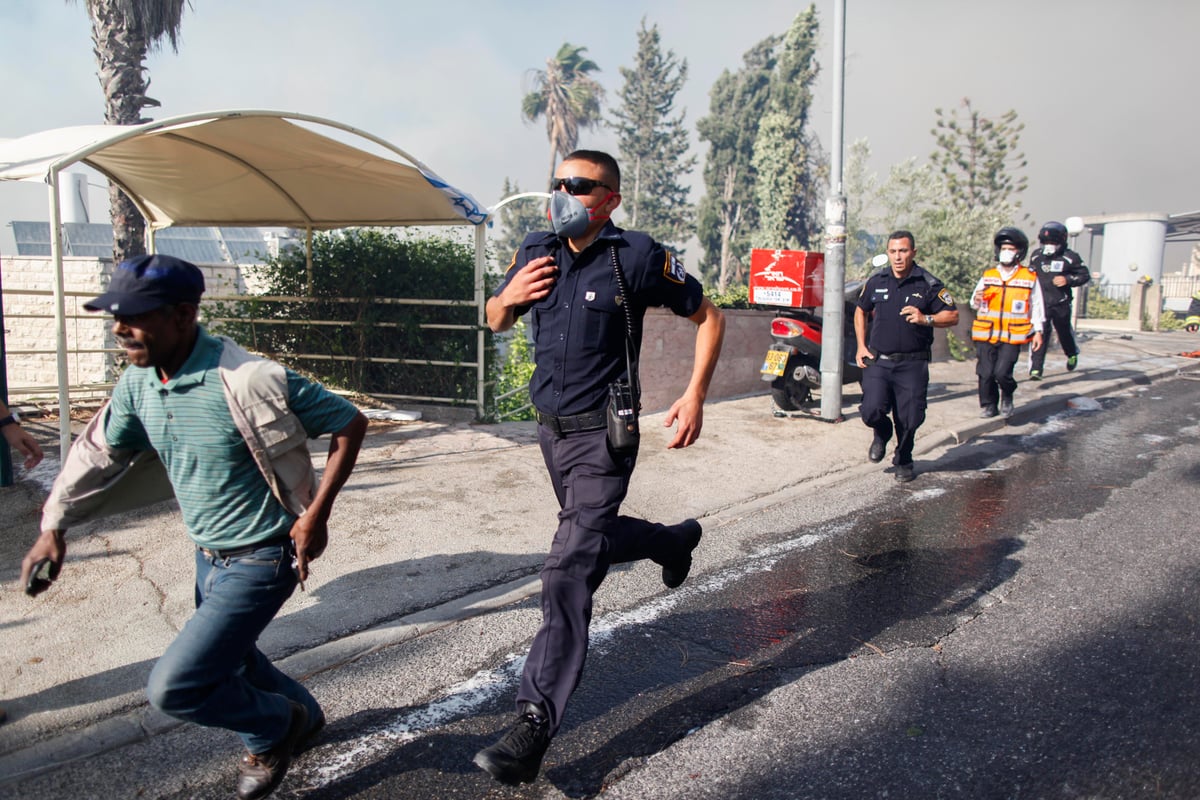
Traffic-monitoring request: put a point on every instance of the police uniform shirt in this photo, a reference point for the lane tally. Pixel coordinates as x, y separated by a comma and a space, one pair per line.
885, 295
579, 328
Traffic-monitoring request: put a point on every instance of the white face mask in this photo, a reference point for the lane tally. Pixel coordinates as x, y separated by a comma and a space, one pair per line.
1007, 256
1049, 249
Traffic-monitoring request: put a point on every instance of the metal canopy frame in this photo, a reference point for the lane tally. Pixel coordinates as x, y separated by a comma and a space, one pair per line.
460, 208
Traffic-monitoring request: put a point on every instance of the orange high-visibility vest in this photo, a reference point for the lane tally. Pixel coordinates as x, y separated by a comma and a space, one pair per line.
1007, 308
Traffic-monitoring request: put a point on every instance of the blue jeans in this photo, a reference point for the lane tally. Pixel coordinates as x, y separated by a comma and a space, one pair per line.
213, 674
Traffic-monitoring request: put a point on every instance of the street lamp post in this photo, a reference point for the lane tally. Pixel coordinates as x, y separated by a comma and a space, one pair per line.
833, 308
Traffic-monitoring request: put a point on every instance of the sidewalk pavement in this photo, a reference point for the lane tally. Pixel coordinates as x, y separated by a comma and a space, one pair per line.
442, 520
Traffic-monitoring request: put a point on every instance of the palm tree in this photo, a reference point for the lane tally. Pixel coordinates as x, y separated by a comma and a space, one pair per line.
123, 32
567, 96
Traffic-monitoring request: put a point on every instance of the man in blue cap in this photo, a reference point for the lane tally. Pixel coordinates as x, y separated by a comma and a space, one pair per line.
226, 433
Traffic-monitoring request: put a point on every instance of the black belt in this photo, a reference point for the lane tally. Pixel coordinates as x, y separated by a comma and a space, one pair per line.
921, 356
234, 552
591, 421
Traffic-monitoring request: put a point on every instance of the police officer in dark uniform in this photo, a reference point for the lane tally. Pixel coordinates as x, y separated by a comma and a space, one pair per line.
1059, 270
567, 284
904, 303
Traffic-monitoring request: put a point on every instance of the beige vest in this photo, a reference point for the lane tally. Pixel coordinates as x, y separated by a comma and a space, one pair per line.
97, 480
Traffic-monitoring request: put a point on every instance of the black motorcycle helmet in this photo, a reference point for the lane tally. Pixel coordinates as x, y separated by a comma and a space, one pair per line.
1012, 236
1054, 233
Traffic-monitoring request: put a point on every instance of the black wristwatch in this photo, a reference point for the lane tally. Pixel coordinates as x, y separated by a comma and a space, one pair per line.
6, 421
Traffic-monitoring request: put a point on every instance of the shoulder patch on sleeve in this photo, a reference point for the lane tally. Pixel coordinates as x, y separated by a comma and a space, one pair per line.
673, 269
945, 296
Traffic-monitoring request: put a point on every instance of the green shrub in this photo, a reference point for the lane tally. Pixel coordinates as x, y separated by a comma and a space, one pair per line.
960, 349
512, 377
347, 320
1170, 321
733, 297
1101, 307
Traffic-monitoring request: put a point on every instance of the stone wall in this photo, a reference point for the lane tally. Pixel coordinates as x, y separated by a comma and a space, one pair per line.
669, 345
28, 283
669, 342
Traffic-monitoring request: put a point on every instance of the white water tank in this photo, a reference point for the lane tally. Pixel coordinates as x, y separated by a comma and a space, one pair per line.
1133, 246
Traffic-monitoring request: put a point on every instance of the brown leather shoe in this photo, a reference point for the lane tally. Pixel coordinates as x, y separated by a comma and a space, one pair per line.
260, 773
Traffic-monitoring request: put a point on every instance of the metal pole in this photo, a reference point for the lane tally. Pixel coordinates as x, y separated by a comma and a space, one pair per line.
60, 320
833, 314
481, 319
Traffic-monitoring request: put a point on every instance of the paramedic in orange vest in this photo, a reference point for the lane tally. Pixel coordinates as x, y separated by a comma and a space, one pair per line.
1008, 313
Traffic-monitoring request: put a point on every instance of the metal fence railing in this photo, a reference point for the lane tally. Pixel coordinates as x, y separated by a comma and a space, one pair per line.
462, 357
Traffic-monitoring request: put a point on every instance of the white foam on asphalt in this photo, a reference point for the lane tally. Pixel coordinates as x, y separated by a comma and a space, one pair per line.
483, 687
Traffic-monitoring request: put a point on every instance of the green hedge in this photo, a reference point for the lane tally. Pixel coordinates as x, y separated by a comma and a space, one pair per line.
365, 266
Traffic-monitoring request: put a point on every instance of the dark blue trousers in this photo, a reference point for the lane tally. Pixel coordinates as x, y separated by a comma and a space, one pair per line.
590, 482
1058, 319
994, 367
897, 388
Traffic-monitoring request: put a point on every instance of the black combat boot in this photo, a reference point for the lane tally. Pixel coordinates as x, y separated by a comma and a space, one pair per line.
675, 570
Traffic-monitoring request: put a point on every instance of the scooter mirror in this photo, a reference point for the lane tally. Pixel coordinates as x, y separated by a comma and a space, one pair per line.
880, 260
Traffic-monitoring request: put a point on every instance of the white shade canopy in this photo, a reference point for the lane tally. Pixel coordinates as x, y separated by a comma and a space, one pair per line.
240, 168
247, 167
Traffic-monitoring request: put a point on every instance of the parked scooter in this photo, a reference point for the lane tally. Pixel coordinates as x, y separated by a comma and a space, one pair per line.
793, 361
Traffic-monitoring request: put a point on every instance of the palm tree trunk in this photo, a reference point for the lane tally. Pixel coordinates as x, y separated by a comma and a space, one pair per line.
120, 54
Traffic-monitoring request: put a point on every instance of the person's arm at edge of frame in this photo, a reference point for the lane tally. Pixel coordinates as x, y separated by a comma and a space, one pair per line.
860, 334
689, 409
21, 440
310, 531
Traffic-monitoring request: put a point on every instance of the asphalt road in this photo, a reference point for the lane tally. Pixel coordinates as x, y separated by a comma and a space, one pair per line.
1071, 672
1022, 623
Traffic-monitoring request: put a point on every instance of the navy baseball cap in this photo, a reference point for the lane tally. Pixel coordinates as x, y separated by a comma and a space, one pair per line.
144, 283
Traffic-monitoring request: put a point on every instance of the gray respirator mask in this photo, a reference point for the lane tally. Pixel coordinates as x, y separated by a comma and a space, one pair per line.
568, 216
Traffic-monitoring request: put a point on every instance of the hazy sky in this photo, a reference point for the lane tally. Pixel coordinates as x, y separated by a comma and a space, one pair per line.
1105, 88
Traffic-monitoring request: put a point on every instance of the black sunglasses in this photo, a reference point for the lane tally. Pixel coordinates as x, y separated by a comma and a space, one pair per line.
576, 186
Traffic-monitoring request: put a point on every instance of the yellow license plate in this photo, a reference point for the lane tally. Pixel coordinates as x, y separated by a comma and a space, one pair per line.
775, 361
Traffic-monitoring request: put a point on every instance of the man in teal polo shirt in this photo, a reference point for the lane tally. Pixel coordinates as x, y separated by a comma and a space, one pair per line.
228, 430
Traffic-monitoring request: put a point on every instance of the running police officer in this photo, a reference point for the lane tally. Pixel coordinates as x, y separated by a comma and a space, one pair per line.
1059, 270
905, 303
582, 312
